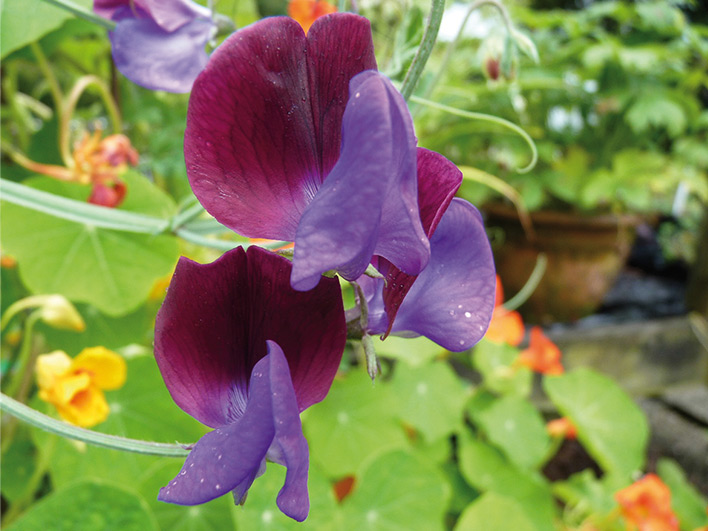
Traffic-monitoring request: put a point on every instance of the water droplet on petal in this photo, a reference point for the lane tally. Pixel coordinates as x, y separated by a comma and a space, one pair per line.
468, 315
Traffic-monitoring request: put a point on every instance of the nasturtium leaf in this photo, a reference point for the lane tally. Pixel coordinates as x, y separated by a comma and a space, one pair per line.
413, 351
657, 109
486, 469
610, 425
261, 512
495, 362
113, 270
494, 512
398, 491
87, 506
686, 501
515, 427
431, 397
141, 409
18, 465
25, 21
357, 420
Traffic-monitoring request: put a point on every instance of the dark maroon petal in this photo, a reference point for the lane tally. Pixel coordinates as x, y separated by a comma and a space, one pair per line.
258, 133
438, 181
368, 203
339, 47
452, 300
156, 59
230, 458
216, 318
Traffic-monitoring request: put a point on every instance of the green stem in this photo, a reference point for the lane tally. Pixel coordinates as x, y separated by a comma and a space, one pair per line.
54, 87
425, 49
40, 420
187, 215
487, 118
21, 366
72, 210
453, 45
67, 112
83, 13
531, 284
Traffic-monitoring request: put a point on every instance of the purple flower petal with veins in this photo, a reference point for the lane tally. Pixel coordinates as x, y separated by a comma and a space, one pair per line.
158, 45
285, 141
451, 301
232, 360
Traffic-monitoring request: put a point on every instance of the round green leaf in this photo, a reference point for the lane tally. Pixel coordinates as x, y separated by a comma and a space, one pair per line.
610, 425
432, 398
356, 420
494, 512
112, 270
398, 491
417, 351
517, 428
88, 506
495, 362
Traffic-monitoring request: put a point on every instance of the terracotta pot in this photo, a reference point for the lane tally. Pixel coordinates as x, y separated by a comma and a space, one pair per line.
585, 254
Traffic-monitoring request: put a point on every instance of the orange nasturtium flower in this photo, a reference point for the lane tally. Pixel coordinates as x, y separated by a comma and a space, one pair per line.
646, 505
75, 386
562, 428
97, 162
506, 326
307, 11
542, 356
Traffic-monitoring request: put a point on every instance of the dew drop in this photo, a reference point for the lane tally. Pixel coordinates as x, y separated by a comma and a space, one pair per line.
468, 315
218, 486
462, 341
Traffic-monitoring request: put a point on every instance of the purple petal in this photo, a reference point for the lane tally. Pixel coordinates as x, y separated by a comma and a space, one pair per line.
168, 15
216, 318
368, 203
230, 458
438, 181
451, 301
264, 119
155, 58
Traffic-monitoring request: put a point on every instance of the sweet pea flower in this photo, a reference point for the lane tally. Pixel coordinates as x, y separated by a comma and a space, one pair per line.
75, 386
245, 354
297, 137
451, 301
158, 44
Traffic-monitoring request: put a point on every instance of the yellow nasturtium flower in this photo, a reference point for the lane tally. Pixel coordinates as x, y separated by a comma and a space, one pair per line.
75, 386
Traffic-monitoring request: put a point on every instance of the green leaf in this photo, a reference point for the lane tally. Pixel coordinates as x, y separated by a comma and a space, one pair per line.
398, 491
516, 427
18, 466
142, 409
610, 425
357, 420
88, 506
495, 362
656, 109
261, 512
25, 21
486, 469
416, 351
112, 270
432, 398
494, 512
686, 501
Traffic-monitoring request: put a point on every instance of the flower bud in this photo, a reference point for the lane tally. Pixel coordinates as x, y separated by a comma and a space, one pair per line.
58, 312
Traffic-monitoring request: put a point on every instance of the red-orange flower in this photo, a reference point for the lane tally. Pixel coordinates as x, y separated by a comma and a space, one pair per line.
562, 427
307, 11
646, 505
542, 355
506, 326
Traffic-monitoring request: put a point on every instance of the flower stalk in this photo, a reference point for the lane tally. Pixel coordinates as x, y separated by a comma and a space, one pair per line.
424, 50
64, 429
